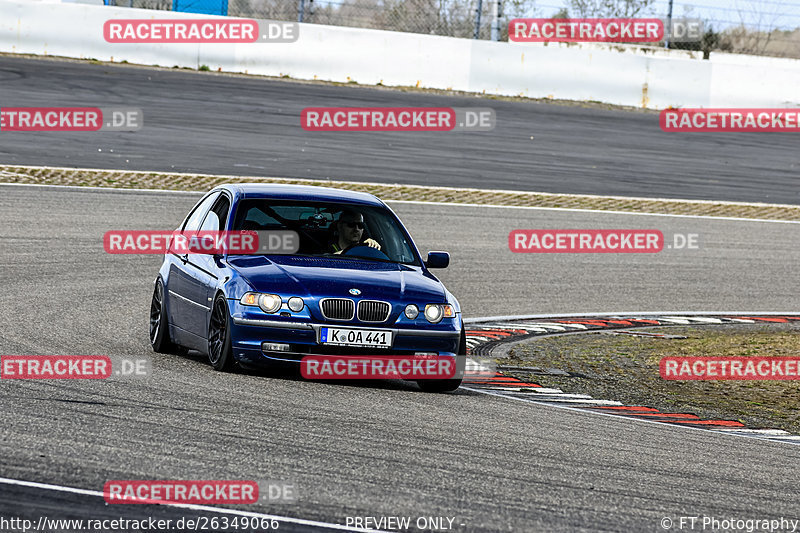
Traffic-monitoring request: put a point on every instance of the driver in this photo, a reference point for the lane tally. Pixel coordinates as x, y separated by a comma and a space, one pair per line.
350, 230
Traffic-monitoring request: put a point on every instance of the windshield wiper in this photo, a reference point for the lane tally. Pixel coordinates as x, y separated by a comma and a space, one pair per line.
360, 257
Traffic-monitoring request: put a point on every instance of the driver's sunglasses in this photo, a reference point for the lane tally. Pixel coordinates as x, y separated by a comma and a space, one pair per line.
359, 225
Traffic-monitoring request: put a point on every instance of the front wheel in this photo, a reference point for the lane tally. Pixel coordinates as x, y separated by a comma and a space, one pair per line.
449, 385
159, 324
220, 349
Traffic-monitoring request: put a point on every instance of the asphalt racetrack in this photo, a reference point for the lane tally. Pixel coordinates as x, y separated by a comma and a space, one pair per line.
374, 449
237, 125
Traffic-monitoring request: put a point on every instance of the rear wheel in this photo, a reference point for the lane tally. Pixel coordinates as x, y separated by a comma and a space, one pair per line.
220, 349
449, 385
159, 324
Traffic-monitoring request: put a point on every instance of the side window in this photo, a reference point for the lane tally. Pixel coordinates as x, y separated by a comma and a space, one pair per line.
193, 221
250, 217
216, 218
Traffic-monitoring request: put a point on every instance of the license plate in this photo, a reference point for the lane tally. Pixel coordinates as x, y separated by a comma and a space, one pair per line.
372, 338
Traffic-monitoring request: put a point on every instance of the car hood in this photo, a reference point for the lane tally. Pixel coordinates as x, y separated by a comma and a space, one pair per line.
323, 277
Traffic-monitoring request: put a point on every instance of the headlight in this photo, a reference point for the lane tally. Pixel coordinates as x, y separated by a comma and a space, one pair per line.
296, 303
269, 303
434, 313
411, 311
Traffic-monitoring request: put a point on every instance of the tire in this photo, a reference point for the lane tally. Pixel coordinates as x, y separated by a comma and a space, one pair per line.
448, 385
220, 348
159, 323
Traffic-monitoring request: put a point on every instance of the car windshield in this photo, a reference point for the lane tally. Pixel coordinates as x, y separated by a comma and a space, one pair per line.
337, 230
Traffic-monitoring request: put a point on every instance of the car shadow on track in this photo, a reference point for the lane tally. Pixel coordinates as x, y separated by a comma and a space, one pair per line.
291, 372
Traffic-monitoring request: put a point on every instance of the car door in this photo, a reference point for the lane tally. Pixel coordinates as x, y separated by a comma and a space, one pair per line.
204, 271
186, 304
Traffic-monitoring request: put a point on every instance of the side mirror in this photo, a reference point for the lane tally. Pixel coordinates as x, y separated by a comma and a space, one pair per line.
438, 260
209, 245
201, 244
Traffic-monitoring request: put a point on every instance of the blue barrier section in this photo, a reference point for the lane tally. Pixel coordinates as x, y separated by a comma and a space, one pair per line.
206, 7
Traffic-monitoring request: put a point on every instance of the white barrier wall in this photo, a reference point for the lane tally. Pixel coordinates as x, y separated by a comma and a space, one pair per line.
624, 75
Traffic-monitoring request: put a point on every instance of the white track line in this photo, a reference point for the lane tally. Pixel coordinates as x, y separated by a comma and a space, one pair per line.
600, 211
772, 432
107, 189
464, 204
193, 507
615, 315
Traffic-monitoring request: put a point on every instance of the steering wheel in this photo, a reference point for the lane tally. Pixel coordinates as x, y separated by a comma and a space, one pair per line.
369, 251
354, 245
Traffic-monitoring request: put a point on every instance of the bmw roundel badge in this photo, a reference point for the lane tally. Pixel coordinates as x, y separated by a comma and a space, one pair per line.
354, 292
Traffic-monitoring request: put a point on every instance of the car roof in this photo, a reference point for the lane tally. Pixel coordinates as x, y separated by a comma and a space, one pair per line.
283, 191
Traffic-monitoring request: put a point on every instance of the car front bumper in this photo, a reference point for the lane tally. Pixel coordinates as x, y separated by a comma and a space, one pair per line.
250, 335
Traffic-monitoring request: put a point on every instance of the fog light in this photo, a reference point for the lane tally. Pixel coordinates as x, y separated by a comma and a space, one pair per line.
274, 347
411, 311
296, 303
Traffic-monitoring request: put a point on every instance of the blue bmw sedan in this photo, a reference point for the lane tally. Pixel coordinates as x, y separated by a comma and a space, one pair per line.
355, 284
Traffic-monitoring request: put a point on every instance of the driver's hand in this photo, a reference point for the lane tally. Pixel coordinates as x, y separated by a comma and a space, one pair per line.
372, 243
